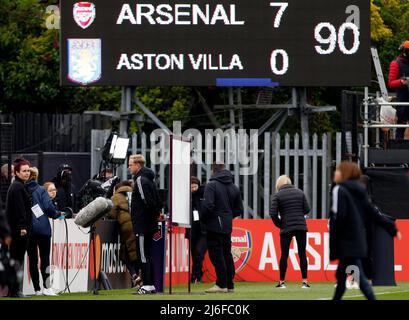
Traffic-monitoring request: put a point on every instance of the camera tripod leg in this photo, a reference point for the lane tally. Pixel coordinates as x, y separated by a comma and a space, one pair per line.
96, 284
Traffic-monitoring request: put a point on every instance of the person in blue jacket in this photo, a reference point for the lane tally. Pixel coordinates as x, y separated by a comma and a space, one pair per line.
40, 238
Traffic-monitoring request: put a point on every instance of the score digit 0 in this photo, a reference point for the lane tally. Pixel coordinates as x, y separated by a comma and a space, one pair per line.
273, 62
331, 40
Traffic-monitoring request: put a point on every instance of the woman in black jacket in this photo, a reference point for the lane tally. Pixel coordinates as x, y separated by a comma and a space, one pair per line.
197, 232
288, 210
18, 212
351, 214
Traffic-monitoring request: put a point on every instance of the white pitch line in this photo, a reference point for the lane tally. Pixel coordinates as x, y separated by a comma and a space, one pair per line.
376, 294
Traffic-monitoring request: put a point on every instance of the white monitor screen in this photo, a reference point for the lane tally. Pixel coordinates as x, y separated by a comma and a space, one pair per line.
121, 148
181, 157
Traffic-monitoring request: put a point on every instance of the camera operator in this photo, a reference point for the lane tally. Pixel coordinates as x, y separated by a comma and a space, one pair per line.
63, 184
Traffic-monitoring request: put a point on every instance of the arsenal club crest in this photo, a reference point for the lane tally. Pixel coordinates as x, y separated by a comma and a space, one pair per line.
84, 14
84, 60
240, 247
158, 235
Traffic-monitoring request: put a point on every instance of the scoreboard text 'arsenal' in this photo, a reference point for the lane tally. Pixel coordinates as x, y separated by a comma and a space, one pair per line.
222, 42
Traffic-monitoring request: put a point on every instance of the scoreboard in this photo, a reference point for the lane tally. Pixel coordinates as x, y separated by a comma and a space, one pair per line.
215, 42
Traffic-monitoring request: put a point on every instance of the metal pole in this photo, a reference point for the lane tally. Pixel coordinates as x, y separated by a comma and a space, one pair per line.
231, 102
189, 274
303, 111
240, 110
126, 101
377, 133
191, 222
95, 291
366, 128
170, 213
305, 134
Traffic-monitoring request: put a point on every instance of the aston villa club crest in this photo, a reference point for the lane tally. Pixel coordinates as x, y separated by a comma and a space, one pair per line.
84, 14
241, 247
84, 60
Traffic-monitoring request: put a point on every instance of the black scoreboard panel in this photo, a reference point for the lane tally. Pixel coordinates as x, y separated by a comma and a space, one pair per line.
216, 42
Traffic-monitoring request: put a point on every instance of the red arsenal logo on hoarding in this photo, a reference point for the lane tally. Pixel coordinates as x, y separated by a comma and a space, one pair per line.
84, 14
240, 247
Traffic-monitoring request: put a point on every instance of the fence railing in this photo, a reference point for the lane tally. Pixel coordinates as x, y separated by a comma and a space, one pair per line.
307, 160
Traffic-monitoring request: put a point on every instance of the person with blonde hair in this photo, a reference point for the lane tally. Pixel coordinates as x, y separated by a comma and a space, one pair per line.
145, 213
288, 210
40, 237
52, 191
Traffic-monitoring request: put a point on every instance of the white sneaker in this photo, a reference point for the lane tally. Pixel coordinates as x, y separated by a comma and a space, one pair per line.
38, 293
216, 289
49, 292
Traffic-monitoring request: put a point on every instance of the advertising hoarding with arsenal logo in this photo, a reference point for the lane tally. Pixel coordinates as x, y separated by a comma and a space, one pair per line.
241, 247
256, 253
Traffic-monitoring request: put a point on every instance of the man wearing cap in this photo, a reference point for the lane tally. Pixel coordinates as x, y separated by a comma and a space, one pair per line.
398, 80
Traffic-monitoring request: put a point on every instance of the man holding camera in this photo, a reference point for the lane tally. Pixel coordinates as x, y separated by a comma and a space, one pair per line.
398, 80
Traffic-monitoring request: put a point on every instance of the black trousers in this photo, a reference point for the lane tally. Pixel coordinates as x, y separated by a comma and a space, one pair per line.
219, 246
144, 249
342, 276
133, 267
39, 244
198, 250
18, 249
402, 113
285, 241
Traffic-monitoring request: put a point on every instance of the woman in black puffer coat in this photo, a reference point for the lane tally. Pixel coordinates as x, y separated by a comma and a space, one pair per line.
351, 217
288, 210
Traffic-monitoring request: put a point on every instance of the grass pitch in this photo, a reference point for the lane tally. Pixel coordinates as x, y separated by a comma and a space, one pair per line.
243, 291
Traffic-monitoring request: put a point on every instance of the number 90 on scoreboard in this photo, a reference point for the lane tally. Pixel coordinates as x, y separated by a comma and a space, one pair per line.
216, 42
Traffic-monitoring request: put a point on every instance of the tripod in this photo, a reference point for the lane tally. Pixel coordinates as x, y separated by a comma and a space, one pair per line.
93, 238
101, 276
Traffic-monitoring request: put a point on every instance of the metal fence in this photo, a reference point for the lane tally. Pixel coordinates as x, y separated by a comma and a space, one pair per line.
33, 132
308, 160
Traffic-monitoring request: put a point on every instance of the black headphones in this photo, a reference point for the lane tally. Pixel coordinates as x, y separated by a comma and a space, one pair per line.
401, 47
